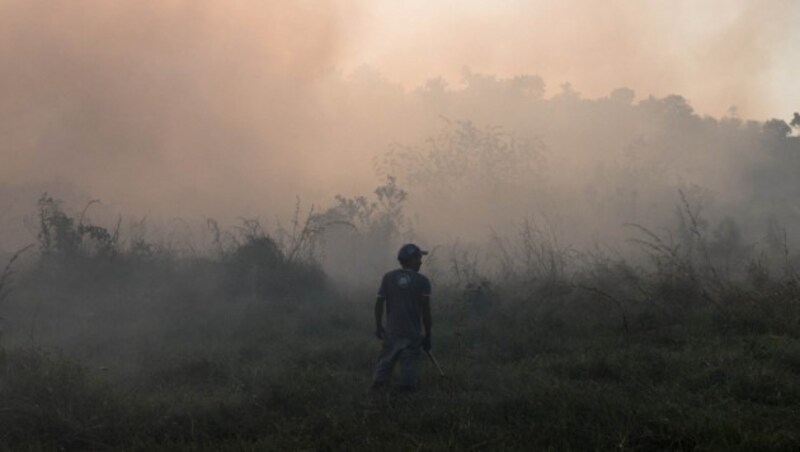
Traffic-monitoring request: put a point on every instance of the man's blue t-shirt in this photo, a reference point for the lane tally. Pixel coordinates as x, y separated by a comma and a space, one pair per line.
404, 290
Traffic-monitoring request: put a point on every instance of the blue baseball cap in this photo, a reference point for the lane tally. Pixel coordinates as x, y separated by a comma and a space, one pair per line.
408, 251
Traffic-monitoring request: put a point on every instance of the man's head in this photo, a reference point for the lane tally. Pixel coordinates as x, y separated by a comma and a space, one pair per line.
410, 256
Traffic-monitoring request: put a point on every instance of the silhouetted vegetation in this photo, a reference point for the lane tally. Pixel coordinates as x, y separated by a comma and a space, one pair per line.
610, 272
695, 344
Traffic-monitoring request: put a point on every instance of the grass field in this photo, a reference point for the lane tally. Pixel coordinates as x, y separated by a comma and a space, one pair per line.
159, 351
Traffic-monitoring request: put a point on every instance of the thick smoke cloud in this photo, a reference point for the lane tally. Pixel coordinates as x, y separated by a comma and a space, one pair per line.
197, 109
157, 105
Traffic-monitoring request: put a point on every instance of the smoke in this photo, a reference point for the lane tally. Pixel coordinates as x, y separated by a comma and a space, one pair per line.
199, 108
158, 104
718, 54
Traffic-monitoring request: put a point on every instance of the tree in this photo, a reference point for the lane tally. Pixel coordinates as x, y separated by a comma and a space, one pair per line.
623, 95
777, 127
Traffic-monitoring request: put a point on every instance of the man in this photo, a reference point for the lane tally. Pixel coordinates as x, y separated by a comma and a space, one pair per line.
407, 296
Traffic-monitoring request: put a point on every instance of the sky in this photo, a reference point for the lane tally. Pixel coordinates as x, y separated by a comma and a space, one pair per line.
717, 53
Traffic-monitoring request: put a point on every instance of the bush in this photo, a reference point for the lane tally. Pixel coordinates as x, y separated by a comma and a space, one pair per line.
50, 398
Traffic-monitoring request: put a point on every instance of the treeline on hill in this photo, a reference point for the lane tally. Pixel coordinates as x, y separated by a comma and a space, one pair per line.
470, 156
592, 163
608, 274
119, 342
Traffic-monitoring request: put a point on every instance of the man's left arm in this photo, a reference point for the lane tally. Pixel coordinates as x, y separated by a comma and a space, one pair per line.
380, 301
379, 331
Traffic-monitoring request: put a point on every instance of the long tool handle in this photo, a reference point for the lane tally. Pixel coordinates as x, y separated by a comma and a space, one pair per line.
435, 363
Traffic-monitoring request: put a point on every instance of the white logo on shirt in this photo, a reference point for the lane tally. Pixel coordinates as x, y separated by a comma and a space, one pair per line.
403, 281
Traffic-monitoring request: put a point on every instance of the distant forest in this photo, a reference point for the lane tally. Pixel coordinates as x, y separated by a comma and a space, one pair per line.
473, 159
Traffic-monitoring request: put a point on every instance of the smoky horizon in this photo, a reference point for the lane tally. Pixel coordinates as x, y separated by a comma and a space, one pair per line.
203, 204
592, 116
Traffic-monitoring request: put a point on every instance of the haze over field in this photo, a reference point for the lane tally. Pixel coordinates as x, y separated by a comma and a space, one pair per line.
197, 109
199, 199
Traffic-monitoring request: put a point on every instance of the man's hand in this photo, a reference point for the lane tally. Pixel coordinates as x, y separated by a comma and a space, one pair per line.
380, 333
426, 343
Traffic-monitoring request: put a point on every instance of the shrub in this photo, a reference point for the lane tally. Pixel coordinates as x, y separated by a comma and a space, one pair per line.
61, 236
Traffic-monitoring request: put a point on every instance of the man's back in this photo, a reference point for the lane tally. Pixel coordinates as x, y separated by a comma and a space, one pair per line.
406, 296
404, 290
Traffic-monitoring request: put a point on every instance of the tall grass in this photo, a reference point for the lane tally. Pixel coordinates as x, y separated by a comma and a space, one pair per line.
254, 348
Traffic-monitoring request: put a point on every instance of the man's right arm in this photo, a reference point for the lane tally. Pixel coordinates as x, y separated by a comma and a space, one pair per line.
426, 321
425, 304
